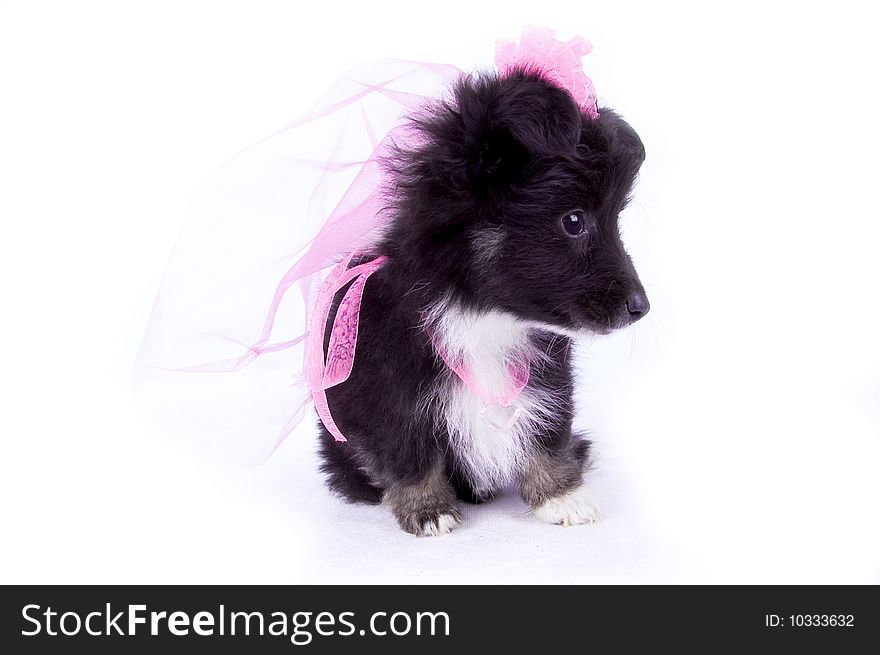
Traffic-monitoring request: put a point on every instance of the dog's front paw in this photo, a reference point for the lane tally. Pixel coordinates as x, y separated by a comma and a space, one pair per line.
430, 523
572, 508
441, 524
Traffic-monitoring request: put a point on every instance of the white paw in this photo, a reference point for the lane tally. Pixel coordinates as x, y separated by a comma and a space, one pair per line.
443, 524
576, 507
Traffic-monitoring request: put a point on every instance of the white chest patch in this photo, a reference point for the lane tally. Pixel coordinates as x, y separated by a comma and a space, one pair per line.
486, 343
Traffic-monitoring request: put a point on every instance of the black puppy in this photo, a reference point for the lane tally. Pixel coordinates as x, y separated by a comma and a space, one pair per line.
503, 246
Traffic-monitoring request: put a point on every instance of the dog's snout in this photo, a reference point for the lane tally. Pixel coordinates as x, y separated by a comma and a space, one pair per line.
638, 305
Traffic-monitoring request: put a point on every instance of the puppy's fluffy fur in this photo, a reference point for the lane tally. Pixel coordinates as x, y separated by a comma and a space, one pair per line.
485, 258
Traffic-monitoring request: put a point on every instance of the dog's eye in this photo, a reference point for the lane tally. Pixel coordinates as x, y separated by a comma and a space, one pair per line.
574, 223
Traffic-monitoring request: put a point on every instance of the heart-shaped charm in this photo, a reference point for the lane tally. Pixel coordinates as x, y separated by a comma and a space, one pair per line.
499, 417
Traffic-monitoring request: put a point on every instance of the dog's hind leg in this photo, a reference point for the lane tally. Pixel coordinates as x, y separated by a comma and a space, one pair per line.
344, 475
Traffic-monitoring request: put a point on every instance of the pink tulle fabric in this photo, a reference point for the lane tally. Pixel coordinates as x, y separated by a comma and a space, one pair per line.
282, 215
243, 284
559, 61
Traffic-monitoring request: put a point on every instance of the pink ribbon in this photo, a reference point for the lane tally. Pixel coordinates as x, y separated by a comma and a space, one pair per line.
518, 371
322, 373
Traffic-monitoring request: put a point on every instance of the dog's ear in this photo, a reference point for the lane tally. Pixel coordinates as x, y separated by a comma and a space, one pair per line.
620, 140
618, 152
497, 126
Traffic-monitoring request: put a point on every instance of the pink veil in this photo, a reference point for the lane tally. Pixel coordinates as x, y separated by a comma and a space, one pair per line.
223, 355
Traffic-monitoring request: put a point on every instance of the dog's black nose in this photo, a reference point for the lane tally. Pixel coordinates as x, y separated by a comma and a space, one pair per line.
638, 305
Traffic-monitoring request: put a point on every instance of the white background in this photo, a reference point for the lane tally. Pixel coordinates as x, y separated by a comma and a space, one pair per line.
739, 425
